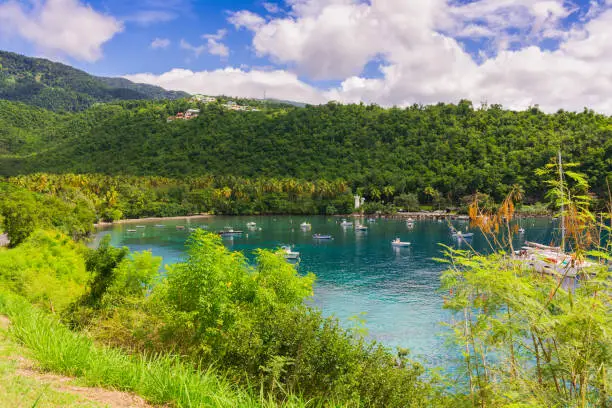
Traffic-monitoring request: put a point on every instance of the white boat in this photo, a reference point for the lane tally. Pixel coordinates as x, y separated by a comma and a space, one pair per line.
521, 230
346, 223
229, 232
397, 243
360, 227
371, 219
160, 226
462, 235
288, 253
251, 224
305, 226
140, 226
131, 230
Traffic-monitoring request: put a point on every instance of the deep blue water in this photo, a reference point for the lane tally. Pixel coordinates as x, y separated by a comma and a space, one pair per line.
396, 290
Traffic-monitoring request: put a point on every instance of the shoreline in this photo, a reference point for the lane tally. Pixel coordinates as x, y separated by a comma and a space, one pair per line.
400, 215
149, 219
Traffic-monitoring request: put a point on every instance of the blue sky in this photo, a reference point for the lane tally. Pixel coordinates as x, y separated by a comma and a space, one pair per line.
391, 52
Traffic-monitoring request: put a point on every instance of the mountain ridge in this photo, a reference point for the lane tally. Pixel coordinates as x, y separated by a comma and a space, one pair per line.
60, 87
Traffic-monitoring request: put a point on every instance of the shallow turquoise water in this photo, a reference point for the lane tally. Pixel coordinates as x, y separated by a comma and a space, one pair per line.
358, 273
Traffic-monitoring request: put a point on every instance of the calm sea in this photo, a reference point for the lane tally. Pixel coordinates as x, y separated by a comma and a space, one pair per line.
359, 274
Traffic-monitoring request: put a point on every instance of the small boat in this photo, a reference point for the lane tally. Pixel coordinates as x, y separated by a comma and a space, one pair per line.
321, 236
180, 227
360, 227
410, 224
346, 223
521, 230
462, 235
397, 243
229, 231
288, 253
160, 226
305, 226
251, 224
140, 226
131, 230
371, 219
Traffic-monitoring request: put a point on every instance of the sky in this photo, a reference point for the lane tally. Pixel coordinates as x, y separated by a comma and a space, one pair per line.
517, 53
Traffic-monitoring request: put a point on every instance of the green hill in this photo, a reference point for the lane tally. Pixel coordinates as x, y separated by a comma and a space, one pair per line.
59, 87
455, 149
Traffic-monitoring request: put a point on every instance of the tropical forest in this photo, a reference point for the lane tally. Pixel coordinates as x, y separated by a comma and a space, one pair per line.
103, 182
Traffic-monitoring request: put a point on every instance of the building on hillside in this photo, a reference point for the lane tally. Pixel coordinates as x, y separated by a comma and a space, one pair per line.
192, 113
203, 98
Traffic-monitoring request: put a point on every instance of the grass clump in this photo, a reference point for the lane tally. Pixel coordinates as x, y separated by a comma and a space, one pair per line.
160, 379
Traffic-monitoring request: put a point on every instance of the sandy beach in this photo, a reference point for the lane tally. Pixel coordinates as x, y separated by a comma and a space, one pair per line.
138, 220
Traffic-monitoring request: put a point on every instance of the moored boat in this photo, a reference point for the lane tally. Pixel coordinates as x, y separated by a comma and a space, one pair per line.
321, 236
288, 253
305, 226
346, 223
360, 227
229, 231
399, 243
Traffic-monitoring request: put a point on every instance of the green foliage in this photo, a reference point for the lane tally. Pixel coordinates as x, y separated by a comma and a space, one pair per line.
58, 87
161, 380
23, 212
442, 152
134, 197
102, 263
407, 202
215, 308
47, 269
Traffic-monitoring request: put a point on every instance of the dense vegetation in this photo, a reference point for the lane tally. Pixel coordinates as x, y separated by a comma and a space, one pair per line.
59, 87
523, 338
442, 153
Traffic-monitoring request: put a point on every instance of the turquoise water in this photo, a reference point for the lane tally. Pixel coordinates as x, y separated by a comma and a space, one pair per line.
396, 290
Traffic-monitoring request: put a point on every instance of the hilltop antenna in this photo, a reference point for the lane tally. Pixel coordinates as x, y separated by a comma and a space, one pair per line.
264, 95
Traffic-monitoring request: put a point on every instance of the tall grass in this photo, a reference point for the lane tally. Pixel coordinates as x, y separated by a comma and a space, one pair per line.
160, 379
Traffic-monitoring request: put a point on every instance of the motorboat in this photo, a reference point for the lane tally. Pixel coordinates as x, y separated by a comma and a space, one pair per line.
288, 253
371, 219
398, 243
180, 227
160, 226
140, 226
321, 236
305, 226
251, 225
230, 232
521, 230
346, 223
131, 230
360, 227
462, 235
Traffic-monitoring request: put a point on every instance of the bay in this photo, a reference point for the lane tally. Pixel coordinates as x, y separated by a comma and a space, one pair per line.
360, 276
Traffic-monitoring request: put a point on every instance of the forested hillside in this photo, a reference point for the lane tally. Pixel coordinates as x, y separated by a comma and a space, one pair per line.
59, 87
442, 152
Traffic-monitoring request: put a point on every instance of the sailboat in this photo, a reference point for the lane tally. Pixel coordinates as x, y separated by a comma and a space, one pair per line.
550, 259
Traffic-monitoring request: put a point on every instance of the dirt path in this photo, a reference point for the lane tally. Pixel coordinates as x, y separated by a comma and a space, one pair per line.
25, 382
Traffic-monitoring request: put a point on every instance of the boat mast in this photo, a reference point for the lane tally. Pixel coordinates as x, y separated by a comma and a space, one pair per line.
562, 187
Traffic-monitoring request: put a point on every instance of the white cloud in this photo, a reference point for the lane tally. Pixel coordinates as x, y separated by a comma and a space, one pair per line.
160, 43
235, 82
218, 36
213, 45
271, 8
422, 60
216, 48
197, 50
60, 27
246, 19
